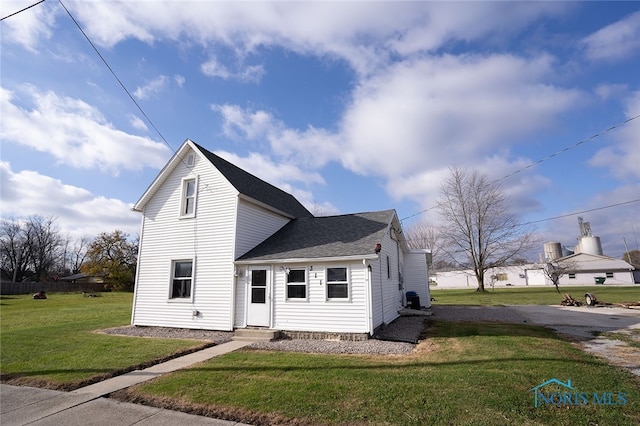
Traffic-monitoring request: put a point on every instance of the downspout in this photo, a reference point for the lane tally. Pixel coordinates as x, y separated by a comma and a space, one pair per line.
135, 284
369, 303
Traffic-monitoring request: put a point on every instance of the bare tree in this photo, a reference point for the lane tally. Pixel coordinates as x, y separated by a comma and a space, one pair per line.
425, 236
478, 230
556, 269
14, 253
43, 239
30, 248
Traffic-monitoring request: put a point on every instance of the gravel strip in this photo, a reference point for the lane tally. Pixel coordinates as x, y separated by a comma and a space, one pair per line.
392, 339
365, 347
217, 337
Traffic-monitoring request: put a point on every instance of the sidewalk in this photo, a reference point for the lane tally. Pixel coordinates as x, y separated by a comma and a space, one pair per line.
86, 406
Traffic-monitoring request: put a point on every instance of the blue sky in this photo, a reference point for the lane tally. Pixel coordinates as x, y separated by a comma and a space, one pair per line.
350, 106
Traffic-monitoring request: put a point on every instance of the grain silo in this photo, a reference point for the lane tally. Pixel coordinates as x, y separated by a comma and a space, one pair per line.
587, 243
552, 251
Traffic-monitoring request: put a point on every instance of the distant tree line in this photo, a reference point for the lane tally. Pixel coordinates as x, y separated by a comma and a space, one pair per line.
33, 249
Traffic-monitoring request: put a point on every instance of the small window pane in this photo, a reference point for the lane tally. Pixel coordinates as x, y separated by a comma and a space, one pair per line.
336, 274
259, 278
609, 274
183, 269
338, 291
295, 291
258, 295
296, 276
190, 188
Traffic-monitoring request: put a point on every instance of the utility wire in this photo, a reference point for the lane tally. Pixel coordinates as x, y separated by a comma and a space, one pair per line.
22, 10
584, 211
116, 77
548, 157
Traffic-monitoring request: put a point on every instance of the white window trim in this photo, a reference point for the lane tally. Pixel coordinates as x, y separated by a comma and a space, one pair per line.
171, 278
306, 286
183, 197
327, 284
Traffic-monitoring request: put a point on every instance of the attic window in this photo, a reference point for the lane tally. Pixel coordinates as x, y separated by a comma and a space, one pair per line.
189, 194
191, 160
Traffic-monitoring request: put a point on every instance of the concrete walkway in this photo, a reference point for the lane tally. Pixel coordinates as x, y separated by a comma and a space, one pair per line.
86, 406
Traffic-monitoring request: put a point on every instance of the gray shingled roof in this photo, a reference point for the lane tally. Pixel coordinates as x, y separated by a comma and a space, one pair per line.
325, 236
256, 188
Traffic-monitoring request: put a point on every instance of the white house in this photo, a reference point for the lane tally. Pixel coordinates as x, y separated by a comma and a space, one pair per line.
221, 249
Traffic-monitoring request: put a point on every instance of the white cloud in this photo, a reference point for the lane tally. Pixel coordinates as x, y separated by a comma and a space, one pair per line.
27, 28
282, 175
622, 158
137, 123
74, 132
365, 34
616, 41
411, 117
152, 87
611, 91
79, 212
312, 148
179, 79
213, 68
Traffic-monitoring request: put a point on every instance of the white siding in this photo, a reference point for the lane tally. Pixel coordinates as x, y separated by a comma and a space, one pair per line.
386, 292
317, 313
417, 276
208, 238
255, 224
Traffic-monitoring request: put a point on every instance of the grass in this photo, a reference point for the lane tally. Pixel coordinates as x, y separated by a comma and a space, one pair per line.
461, 374
532, 295
52, 342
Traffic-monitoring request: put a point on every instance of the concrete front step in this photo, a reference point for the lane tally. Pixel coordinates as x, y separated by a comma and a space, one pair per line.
256, 334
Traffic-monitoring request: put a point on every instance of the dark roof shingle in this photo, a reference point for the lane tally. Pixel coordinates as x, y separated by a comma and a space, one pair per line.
256, 188
325, 236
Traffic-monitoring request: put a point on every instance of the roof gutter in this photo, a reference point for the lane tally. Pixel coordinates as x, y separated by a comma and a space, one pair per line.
307, 259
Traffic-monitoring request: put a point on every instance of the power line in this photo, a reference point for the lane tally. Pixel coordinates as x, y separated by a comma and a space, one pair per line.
575, 145
548, 157
22, 10
116, 77
583, 211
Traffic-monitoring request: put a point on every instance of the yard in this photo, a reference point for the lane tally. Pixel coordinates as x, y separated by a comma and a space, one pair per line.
461, 373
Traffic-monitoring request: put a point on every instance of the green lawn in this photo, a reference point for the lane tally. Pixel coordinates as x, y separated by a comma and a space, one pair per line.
52, 342
462, 374
532, 295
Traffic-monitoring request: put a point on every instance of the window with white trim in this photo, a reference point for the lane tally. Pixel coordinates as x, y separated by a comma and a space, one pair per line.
188, 202
296, 284
572, 276
181, 279
609, 274
337, 283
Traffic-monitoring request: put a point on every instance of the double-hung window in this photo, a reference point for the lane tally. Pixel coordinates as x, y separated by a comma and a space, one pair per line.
337, 283
296, 284
181, 279
188, 200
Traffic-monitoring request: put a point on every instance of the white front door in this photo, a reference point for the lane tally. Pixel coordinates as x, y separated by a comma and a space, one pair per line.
259, 309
